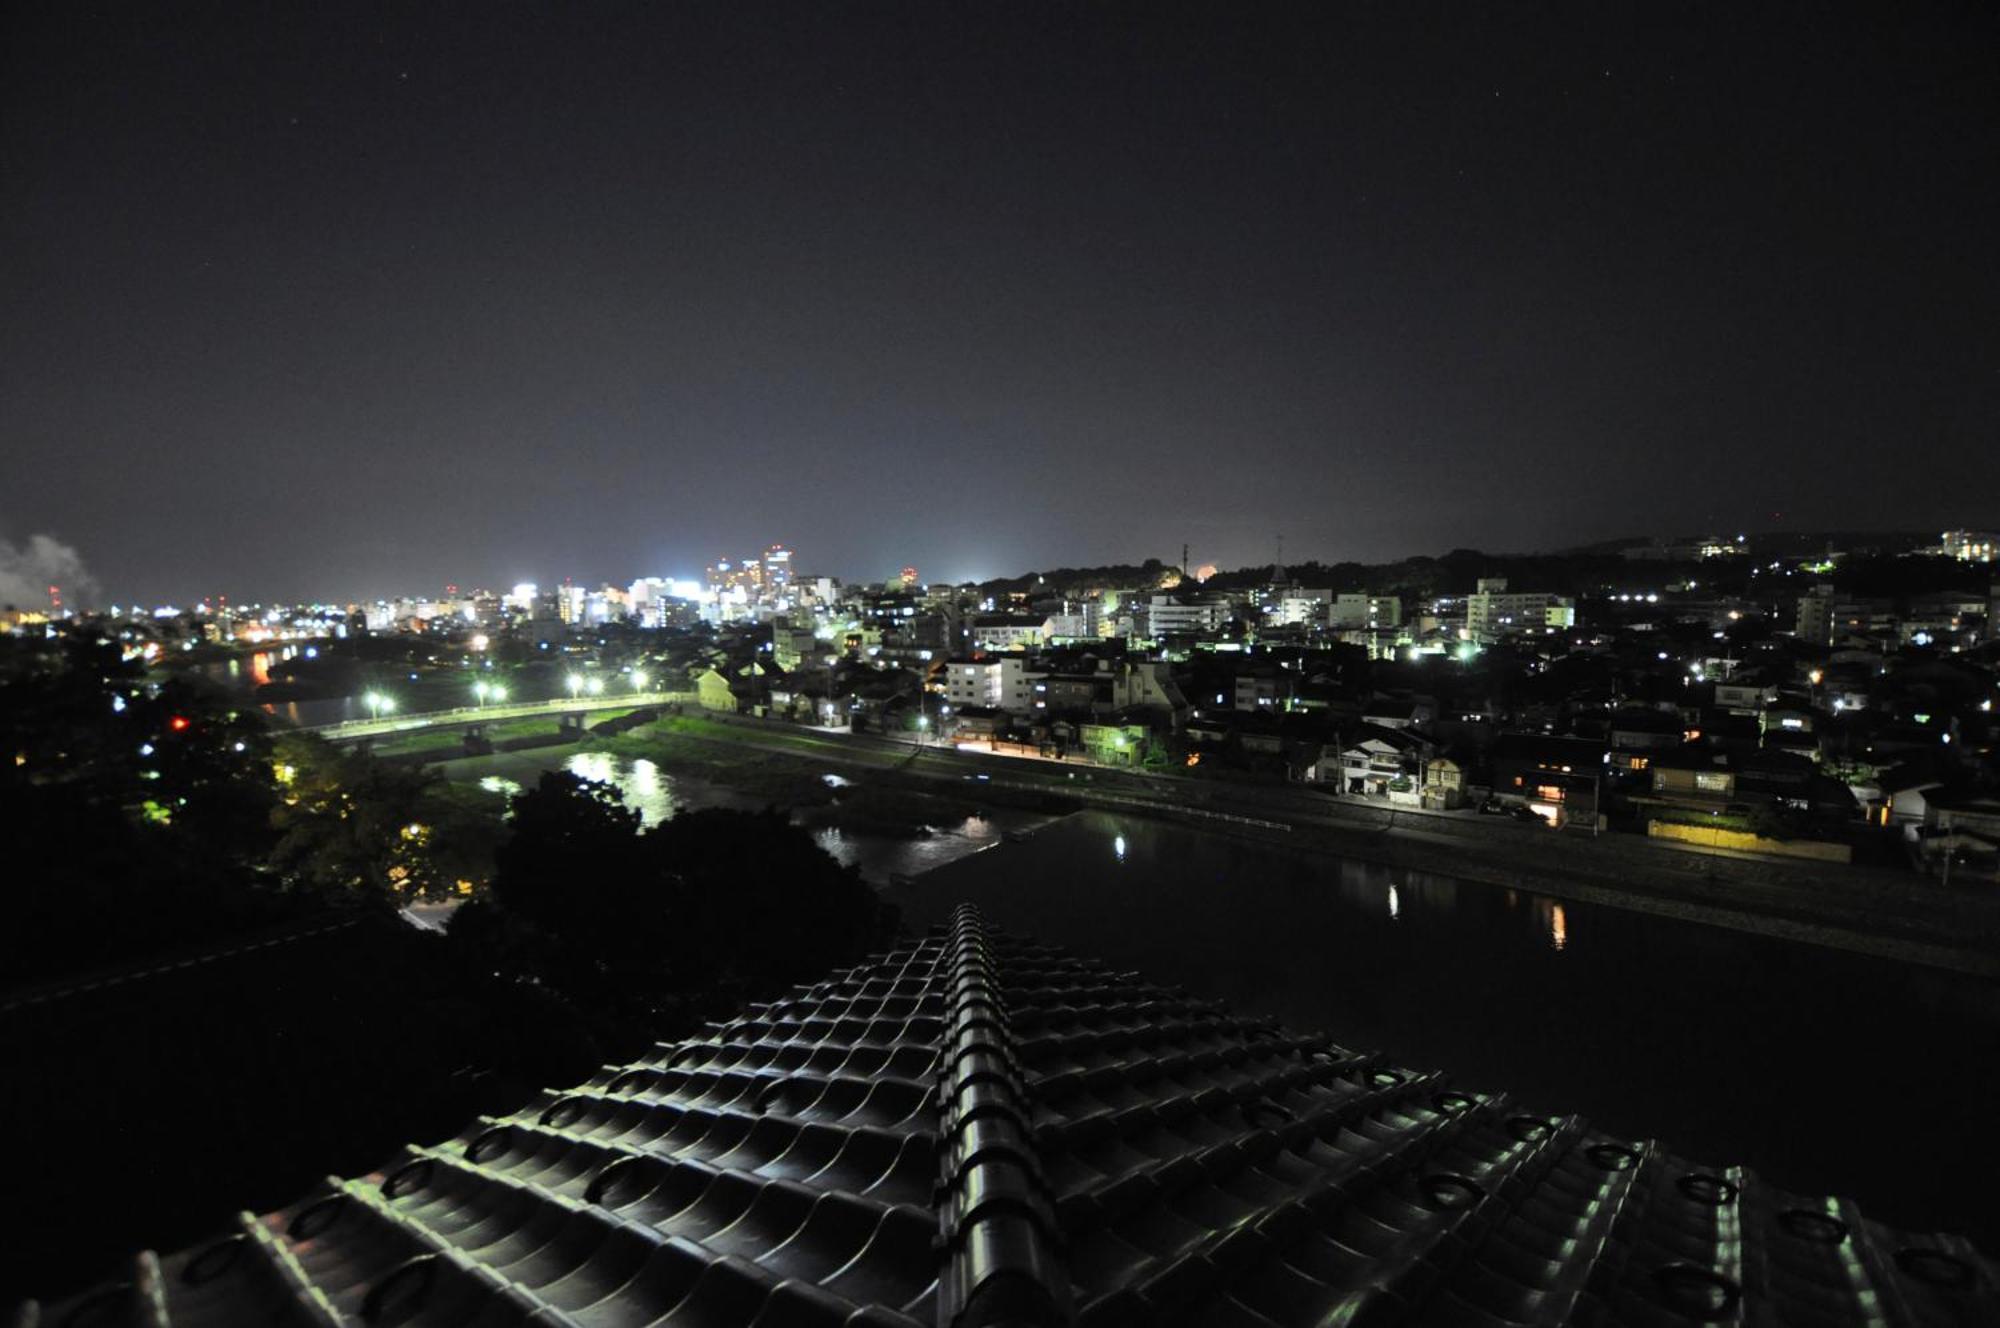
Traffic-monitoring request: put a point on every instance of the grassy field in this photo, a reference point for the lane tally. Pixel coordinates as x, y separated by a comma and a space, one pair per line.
713, 752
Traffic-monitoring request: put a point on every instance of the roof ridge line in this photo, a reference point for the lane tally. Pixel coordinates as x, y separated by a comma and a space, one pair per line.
997, 1227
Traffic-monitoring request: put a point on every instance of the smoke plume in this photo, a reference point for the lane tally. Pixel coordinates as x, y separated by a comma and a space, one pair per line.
28, 570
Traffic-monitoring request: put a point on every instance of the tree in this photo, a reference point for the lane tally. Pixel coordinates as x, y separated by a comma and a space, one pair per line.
661, 927
136, 810
352, 824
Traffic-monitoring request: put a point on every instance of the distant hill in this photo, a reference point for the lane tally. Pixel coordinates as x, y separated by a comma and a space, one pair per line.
1776, 542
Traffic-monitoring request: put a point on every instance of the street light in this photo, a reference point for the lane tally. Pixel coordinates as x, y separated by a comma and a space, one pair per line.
496, 691
481, 690
575, 683
595, 686
638, 682
377, 703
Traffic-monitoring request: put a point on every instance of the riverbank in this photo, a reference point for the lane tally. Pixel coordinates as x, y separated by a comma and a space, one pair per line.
1707, 889
1862, 910
887, 825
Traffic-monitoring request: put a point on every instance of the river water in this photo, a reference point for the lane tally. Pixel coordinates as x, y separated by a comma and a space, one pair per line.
244, 674
1821, 1070
657, 793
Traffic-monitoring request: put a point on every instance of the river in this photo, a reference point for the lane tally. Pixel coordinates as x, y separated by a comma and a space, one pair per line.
245, 673
656, 793
1823, 1071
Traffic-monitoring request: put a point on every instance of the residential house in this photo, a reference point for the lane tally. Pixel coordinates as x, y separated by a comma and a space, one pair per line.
1114, 744
1694, 776
1638, 733
1371, 758
1561, 778
1444, 783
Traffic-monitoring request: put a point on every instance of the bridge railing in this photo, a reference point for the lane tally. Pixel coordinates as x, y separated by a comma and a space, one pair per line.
473, 714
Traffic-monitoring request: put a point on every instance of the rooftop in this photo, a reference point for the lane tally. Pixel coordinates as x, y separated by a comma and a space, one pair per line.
978, 1129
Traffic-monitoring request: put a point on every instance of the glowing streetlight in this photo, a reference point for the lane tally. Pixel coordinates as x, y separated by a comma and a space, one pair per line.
575, 683
497, 691
594, 686
481, 690
638, 682
378, 703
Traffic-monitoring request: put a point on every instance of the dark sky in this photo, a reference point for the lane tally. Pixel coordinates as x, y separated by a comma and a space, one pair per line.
339, 300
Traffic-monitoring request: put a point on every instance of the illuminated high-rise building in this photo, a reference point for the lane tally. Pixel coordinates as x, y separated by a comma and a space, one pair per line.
777, 569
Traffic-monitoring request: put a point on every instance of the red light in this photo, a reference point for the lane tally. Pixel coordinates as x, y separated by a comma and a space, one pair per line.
177, 723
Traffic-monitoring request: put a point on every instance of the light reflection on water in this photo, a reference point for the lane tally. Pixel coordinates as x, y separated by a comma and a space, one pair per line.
647, 789
880, 858
657, 793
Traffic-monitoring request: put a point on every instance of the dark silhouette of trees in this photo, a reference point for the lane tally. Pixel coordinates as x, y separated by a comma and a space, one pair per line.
136, 811
662, 927
349, 823
146, 813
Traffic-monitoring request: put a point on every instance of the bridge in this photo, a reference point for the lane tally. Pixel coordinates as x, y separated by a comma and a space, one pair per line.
571, 709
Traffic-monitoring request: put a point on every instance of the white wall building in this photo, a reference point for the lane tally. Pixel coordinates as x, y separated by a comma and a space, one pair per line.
1493, 612
1201, 615
1001, 682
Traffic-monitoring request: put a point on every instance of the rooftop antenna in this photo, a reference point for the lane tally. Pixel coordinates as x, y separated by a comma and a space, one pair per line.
1184, 561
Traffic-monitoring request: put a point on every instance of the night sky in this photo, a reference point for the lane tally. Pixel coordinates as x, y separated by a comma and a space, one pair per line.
332, 300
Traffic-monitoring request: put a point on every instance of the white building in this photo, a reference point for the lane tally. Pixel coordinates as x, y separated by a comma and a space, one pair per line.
1814, 620
1001, 682
1202, 615
1080, 620
1493, 612
1347, 612
1303, 608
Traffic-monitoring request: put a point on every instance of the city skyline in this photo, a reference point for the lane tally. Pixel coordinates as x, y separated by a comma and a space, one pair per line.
42, 575
310, 301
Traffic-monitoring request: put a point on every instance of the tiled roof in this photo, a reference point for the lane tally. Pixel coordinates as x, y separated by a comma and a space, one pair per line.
980, 1130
